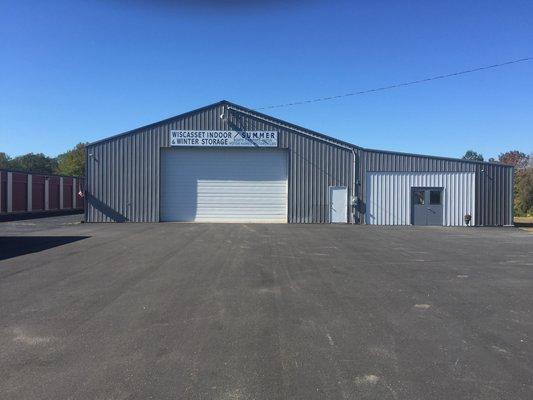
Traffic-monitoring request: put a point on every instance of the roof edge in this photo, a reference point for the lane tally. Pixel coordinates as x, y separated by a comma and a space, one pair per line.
148, 126
437, 157
289, 125
29, 172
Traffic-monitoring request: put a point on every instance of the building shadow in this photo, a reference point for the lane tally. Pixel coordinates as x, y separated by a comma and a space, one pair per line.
39, 214
99, 205
14, 246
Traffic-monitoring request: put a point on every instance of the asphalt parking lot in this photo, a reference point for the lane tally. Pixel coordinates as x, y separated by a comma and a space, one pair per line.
185, 311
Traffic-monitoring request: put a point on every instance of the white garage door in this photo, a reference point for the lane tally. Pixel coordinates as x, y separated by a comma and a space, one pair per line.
224, 185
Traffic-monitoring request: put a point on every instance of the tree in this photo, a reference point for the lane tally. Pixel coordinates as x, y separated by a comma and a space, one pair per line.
473, 156
523, 181
72, 162
523, 201
515, 158
5, 160
31, 162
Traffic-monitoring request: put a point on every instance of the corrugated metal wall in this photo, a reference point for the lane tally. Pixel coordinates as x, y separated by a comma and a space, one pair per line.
122, 179
494, 194
494, 183
314, 166
123, 171
388, 196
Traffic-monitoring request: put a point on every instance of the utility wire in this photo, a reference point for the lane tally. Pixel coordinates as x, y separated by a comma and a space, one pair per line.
434, 78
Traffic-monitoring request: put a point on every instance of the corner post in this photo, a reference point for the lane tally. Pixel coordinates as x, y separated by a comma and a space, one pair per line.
47, 193
10, 192
29, 191
61, 193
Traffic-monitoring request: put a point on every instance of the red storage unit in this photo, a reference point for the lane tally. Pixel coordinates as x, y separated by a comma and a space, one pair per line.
62, 192
37, 192
20, 191
79, 189
3, 190
67, 193
53, 188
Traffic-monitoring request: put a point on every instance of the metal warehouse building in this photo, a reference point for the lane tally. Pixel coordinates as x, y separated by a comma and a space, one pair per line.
227, 163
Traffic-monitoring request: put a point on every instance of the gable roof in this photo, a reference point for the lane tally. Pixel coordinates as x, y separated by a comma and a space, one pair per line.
287, 125
153, 124
250, 112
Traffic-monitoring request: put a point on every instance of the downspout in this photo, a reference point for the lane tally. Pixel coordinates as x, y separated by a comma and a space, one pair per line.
85, 185
361, 193
511, 223
354, 200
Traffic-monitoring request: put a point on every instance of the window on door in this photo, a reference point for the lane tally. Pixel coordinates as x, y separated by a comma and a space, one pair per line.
435, 197
418, 197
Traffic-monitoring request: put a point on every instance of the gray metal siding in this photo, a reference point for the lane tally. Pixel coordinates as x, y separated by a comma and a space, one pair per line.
389, 196
494, 183
494, 194
314, 166
385, 161
123, 171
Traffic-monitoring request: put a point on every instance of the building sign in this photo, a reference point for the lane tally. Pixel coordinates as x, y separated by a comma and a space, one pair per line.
224, 138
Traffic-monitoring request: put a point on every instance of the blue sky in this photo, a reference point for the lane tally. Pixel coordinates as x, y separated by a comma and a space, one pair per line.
75, 71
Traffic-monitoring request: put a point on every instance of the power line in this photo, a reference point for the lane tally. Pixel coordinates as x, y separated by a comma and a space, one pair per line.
433, 78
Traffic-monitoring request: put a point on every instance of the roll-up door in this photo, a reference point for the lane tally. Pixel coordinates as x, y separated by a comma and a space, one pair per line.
223, 185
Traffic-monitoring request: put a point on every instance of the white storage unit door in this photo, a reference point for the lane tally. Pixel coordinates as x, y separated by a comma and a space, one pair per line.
223, 185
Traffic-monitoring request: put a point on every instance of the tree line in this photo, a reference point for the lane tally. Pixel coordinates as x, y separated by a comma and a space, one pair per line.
72, 162
523, 177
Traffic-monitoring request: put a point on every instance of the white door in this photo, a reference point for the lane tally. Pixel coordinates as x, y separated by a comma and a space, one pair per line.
223, 185
338, 204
